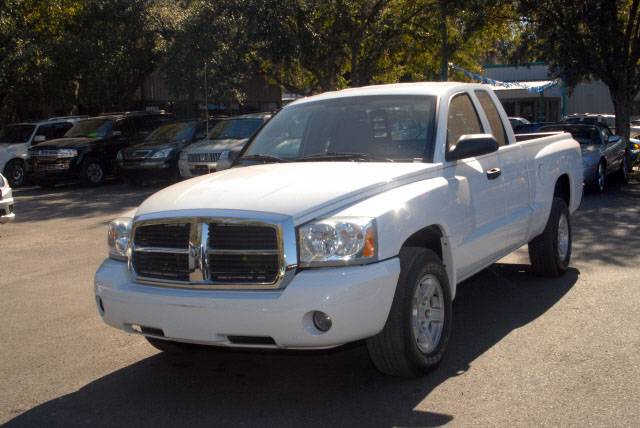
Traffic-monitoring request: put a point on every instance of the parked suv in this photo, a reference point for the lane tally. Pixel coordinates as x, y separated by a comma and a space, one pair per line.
88, 150
157, 155
228, 135
17, 138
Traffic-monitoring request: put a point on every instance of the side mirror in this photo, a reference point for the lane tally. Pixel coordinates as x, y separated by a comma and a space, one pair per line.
226, 160
614, 139
472, 145
39, 139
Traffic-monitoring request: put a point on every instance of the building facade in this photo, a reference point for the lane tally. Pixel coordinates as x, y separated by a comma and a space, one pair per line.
553, 103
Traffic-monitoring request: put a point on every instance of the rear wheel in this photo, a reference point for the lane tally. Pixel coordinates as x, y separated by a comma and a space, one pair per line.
15, 173
415, 336
599, 181
92, 172
550, 252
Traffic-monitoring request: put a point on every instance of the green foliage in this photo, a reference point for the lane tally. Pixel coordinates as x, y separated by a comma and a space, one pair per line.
93, 54
590, 39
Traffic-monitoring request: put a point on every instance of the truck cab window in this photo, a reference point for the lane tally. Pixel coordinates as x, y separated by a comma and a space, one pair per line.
497, 128
463, 119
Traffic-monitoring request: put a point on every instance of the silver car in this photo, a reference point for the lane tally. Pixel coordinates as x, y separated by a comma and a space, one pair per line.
6, 201
603, 153
227, 135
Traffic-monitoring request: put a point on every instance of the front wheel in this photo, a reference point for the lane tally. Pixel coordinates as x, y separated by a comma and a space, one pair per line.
92, 173
415, 336
550, 252
15, 173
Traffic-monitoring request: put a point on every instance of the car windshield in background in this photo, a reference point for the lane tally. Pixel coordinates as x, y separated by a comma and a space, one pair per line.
235, 129
399, 128
582, 136
13, 134
91, 128
173, 132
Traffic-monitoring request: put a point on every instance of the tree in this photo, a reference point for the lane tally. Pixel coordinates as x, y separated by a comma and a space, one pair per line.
587, 39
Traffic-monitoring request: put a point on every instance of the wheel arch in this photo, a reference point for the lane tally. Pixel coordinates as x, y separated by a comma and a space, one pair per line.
433, 237
563, 189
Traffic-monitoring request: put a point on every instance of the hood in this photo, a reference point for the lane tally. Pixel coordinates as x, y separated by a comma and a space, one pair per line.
66, 143
217, 145
148, 147
300, 190
12, 147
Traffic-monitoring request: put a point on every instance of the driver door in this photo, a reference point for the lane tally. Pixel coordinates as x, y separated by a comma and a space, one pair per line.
477, 187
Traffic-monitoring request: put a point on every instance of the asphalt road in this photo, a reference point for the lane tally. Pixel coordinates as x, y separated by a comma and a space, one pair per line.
525, 351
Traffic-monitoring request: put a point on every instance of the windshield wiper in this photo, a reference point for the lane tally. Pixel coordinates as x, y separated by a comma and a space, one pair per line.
264, 158
343, 155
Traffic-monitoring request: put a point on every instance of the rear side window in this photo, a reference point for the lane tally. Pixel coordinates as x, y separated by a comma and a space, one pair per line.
497, 128
463, 119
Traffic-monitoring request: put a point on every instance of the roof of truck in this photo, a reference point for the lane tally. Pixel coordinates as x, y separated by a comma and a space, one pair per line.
418, 88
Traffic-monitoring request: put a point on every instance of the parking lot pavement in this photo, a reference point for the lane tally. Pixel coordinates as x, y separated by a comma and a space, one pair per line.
525, 351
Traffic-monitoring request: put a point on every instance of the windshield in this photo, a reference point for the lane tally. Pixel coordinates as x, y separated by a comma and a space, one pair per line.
173, 132
92, 128
235, 129
13, 134
399, 128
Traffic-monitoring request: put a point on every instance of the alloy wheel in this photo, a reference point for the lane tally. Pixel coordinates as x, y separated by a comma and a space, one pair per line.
427, 313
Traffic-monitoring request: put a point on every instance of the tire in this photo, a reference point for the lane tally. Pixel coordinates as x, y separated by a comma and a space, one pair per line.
600, 179
395, 350
550, 252
92, 172
170, 347
15, 173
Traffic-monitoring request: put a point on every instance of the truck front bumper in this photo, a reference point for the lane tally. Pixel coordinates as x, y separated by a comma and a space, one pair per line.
6, 206
357, 299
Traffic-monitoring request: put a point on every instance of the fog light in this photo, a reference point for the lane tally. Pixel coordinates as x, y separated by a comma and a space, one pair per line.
321, 321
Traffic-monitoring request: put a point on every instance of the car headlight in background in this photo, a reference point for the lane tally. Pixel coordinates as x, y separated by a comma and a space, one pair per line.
120, 156
337, 241
118, 238
67, 153
161, 154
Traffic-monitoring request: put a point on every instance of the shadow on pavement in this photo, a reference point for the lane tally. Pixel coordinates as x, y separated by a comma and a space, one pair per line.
331, 388
75, 201
607, 226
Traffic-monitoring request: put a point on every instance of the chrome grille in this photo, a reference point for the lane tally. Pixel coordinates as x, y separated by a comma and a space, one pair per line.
203, 157
215, 253
173, 235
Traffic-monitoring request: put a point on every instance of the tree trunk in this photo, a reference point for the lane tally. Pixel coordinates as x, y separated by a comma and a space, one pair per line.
622, 104
444, 48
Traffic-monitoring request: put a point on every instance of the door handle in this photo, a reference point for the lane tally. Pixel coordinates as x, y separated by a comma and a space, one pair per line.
493, 173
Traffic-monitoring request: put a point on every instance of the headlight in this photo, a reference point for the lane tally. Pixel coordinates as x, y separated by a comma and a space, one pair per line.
636, 146
67, 153
118, 238
119, 156
338, 241
161, 154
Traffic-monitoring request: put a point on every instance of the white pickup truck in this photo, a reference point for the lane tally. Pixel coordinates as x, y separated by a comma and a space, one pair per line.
350, 215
